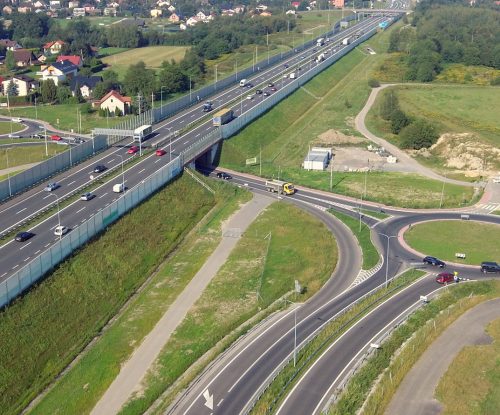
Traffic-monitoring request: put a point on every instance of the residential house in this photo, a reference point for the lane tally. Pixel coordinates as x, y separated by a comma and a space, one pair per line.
59, 71
239, 9
338, 3
261, 7
296, 4
228, 12
113, 101
109, 11
7, 10
25, 8
171, 8
79, 12
266, 14
86, 84
182, 26
200, 16
192, 21
88, 8
162, 3
174, 18
10, 44
74, 59
155, 13
40, 57
53, 47
39, 5
73, 3
54, 5
24, 58
24, 84
290, 12
114, 4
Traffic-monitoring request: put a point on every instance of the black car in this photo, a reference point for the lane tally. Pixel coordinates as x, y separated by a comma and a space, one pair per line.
99, 168
225, 176
434, 261
490, 267
258, 91
249, 85
24, 236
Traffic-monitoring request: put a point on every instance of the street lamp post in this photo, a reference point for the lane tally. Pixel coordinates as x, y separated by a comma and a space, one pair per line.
170, 144
387, 255
8, 173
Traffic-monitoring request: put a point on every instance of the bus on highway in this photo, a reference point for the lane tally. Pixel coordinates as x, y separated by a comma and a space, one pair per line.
143, 132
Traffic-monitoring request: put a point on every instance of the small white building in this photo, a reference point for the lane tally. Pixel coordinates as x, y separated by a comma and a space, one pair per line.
317, 158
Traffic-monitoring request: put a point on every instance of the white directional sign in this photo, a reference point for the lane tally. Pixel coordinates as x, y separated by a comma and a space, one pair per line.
209, 400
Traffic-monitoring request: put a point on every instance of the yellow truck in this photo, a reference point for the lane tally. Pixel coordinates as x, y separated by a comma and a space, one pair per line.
281, 187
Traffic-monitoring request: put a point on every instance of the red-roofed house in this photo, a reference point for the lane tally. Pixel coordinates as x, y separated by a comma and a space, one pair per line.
53, 47
113, 100
296, 4
74, 59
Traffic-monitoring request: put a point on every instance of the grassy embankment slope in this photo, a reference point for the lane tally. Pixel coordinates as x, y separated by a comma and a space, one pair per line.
331, 101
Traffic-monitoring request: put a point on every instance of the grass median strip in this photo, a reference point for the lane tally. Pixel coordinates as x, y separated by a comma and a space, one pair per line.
44, 330
285, 380
281, 245
363, 235
423, 327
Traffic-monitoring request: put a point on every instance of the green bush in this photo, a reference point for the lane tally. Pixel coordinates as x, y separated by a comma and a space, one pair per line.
495, 81
417, 135
399, 120
373, 83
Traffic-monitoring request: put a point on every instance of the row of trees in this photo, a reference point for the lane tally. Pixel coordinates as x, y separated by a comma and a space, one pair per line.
414, 133
444, 31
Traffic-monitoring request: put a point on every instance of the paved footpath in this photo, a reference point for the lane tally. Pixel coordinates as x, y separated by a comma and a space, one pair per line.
415, 395
134, 370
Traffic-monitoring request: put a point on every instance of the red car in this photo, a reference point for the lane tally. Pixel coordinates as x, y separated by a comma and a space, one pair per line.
55, 137
133, 150
160, 152
445, 278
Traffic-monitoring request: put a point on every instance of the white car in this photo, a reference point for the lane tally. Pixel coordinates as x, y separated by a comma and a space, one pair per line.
60, 230
496, 179
249, 96
17, 119
87, 196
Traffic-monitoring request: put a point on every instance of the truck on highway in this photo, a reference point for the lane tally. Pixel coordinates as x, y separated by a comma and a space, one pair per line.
320, 42
143, 132
292, 75
243, 82
346, 41
222, 117
280, 187
320, 58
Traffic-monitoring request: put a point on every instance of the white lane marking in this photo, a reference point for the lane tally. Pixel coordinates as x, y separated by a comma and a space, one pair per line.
103, 195
110, 160
186, 142
3, 275
157, 161
27, 259
21, 210
37, 252
69, 184
78, 211
197, 135
46, 197
194, 115
47, 245
140, 171
220, 402
24, 246
15, 266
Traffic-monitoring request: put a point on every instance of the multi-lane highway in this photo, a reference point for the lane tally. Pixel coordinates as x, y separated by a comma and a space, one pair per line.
14, 255
239, 377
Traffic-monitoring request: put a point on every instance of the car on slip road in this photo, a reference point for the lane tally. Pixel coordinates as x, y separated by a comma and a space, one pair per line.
433, 261
445, 278
223, 175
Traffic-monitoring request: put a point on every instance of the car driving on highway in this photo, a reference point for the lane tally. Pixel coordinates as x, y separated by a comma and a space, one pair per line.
55, 137
434, 261
445, 278
133, 150
24, 236
488, 266
60, 230
99, 168
160, 152
51, 186
225, 176
87, 196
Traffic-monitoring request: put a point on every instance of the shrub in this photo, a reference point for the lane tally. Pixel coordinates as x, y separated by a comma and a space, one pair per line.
389, 105
495, 81
417, 135
399, 120
373, 83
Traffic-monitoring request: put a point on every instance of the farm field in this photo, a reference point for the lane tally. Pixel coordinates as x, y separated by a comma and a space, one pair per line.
444, 238
152, 56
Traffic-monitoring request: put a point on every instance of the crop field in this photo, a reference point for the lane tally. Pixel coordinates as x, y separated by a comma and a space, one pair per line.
152, 56
443, 239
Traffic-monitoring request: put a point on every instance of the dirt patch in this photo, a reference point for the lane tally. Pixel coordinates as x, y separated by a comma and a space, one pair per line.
334, 137
465, 153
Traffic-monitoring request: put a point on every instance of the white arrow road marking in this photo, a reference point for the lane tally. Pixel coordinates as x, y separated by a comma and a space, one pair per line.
209, 400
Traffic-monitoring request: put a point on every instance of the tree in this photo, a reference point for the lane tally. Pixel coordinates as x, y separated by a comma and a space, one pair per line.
48, 91
399, 120
10, 62
12, 89
139, 79
417, 135
373, 83
78, 93
172, 77
63, 94
389, 105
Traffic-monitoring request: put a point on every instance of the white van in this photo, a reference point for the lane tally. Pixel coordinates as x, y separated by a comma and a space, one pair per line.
292, 75
243, 82
17, 119
118, 187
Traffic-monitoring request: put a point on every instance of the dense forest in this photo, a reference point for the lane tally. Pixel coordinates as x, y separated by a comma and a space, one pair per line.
448, 31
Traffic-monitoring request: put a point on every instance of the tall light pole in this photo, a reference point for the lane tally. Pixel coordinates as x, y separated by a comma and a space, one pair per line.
161, 96
190, 89
46, 146
215, 84
8, 172
170, 144
58, 213
387, 255
442, 195
123, 174
36, 110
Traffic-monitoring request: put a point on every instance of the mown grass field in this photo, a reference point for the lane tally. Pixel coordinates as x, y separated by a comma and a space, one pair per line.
475, 378
44, 330
333, 98
152, 56
385, 370
7, 127
479, 241
19, 155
